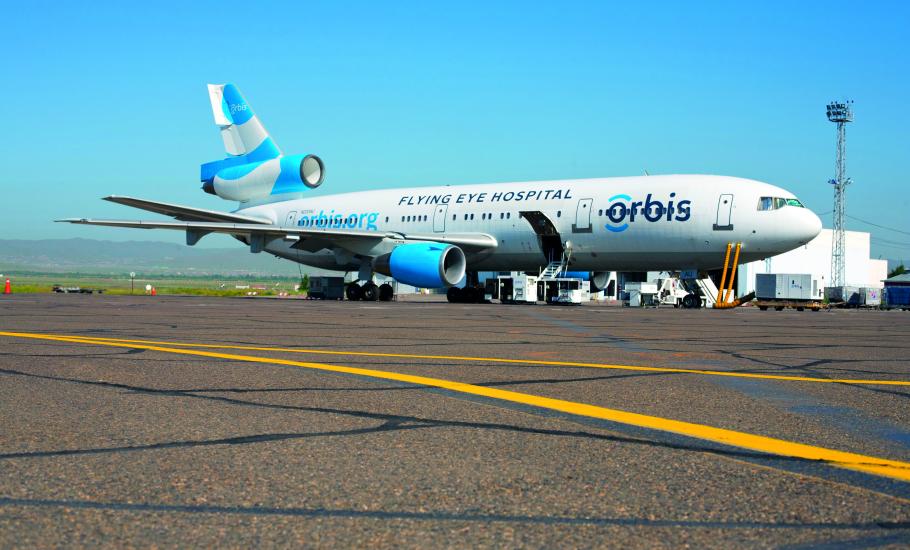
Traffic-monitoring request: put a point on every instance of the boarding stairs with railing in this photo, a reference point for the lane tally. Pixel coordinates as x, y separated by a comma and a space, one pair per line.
553, 270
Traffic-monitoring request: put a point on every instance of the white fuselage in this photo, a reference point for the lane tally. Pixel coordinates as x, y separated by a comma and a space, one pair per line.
643, 223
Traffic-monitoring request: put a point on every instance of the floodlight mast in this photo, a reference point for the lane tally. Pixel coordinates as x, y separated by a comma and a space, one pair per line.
840, 113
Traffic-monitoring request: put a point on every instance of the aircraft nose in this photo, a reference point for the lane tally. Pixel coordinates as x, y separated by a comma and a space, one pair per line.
810, 226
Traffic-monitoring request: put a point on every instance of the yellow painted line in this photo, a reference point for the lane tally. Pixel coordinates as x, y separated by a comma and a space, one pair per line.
868, 464
502, 360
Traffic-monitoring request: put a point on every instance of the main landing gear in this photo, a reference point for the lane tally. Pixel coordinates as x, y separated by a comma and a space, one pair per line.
369, 292
472, 293
466, 295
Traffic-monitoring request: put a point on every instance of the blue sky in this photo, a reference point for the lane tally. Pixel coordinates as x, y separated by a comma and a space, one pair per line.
110, 98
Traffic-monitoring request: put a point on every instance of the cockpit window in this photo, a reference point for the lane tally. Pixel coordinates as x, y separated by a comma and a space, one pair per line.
773, 203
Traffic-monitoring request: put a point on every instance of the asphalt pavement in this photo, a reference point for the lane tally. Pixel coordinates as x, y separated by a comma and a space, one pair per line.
193, 421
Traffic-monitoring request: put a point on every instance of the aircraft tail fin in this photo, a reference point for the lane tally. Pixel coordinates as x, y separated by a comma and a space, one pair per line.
241, 130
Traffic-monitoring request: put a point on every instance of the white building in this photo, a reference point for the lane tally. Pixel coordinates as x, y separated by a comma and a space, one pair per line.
815, 258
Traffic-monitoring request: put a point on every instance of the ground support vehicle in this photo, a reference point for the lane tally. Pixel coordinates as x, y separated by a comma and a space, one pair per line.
326, 288
563, 291
76, 290
641, 294
516, 289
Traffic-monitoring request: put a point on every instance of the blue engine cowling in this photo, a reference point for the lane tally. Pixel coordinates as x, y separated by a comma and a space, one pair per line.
234, 179
424, 265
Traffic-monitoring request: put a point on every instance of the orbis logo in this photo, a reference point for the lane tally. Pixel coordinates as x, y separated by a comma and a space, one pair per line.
362, 220
623, 211
237, 107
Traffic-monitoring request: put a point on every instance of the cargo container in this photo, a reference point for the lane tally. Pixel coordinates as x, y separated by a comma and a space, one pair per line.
871, 297
897, 292
783, 286
897, 297
783, 290
844, 295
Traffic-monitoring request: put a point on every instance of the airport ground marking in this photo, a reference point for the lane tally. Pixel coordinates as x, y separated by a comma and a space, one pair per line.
534, 362
867, 464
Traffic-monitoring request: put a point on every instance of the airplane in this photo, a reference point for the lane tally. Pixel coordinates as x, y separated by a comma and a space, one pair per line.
433, 237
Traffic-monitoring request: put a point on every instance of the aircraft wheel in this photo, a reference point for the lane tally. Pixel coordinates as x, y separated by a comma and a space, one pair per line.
778, 308
370, 292
763, 308
386, 292
690, 301
468, 296
353, 292
454, 295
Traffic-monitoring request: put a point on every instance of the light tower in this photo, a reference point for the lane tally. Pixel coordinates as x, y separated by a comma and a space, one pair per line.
840, 114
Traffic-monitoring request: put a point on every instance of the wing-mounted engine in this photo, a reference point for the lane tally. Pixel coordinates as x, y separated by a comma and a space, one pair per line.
255, 167
424, 265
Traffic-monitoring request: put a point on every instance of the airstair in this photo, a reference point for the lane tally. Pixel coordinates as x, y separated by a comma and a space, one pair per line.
708, 290
553, 269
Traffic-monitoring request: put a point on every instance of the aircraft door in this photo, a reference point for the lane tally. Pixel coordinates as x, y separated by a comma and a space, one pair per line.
291, 219
583, 216
439, 218
724, 221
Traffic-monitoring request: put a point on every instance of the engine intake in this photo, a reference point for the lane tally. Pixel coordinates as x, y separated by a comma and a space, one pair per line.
424, 265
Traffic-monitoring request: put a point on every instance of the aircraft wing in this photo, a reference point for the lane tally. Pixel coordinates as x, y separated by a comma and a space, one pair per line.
185, 213
322, 238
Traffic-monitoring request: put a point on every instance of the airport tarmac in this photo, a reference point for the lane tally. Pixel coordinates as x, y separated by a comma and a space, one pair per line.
180, 421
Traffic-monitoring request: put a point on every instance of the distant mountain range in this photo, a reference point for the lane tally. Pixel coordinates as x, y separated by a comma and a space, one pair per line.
94, 256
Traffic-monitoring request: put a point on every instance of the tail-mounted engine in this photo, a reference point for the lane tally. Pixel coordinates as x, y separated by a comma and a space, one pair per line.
255, 167
242, 181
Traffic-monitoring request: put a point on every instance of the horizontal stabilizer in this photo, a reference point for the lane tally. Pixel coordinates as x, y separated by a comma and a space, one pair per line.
185, 213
